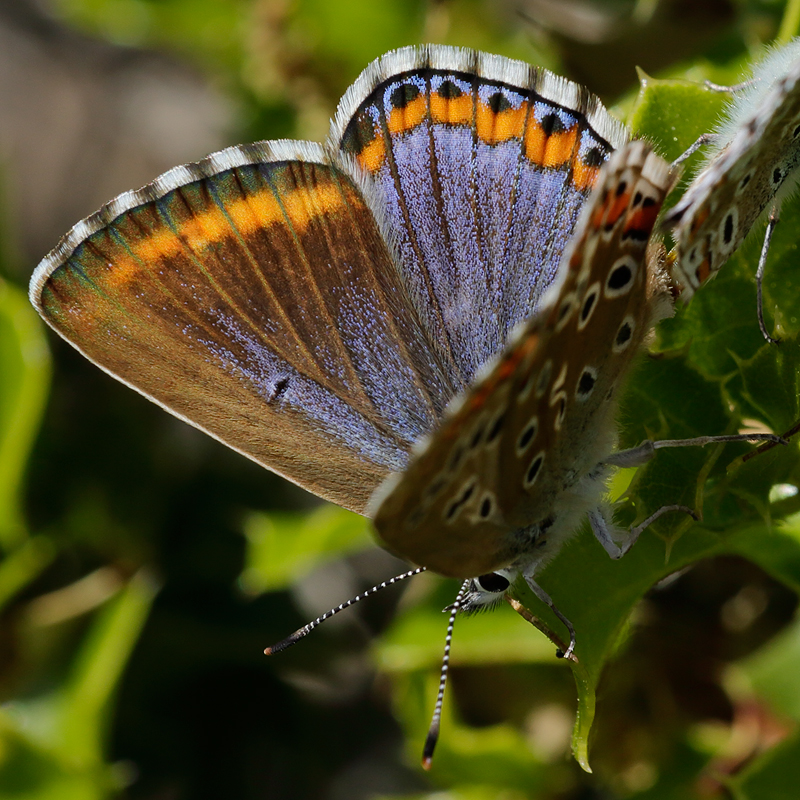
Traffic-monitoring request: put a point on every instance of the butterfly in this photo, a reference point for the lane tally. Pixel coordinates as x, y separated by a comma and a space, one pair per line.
427, 319
751, 167
317, 307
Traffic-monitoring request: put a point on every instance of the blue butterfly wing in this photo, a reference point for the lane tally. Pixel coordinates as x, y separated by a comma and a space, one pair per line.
477, 168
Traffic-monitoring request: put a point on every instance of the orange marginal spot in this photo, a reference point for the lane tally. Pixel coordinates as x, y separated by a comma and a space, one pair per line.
494, 127
644, 219
247, 215
700, 218
123, 271
405, 119
372, 155
703, 271
560, 147
600, 212
535, 141
583, 176
506, 368
210, 226
453, 111
618, 206
301, 206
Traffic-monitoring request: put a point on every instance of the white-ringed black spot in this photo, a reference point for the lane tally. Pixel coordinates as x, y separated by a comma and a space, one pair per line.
495, 427
561, 411
777, 177
743, 183
558, 384
566, 308
414, 518
624, 334
796, 132
433, 488
620, 278
534, 469
524, 386
476, 437
589, 304
464, 495
728, 229
403, 95
634, 234
485, 509
544, 378
528, 435
565, 311
455, 457
467, 490
586, 383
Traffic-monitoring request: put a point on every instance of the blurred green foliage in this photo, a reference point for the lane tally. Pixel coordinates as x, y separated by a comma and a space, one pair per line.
688, 691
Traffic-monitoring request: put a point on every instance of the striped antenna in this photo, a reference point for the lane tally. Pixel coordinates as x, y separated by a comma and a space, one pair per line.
306, 629
433, 731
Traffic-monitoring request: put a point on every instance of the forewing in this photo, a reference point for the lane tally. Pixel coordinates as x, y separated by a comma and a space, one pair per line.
252, 295
543, 415
477, 167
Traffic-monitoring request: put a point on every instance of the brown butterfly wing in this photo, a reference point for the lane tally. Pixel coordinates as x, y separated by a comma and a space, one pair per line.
253, 296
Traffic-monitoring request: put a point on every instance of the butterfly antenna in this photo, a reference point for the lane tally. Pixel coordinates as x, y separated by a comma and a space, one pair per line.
306, 629
433, 731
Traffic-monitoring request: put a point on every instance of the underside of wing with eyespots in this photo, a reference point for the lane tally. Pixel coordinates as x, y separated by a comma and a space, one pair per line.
518, 443
724, 201
477, 168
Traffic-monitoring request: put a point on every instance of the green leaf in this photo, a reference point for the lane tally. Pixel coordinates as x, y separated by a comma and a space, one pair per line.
775, 775
53, 747
282, 547
25, 371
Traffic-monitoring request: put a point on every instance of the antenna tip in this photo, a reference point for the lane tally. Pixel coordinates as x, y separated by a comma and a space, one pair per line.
430, 745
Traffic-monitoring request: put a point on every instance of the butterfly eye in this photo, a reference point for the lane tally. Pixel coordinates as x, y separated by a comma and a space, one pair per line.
493, 582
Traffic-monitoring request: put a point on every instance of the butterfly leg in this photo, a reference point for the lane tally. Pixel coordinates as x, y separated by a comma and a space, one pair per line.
636, 457
705, 138
774, 218
641, 454
602, 531
542, 595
